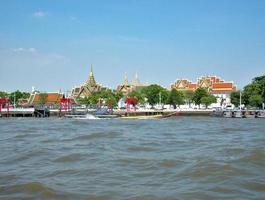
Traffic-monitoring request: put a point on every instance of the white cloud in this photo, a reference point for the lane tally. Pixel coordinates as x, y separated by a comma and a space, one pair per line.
20, 49
40, 14
32, 50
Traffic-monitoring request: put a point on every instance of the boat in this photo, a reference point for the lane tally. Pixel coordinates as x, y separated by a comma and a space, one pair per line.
159, 116
86, 116
105, 114
261, 114
250, 114
237, 114
227, 114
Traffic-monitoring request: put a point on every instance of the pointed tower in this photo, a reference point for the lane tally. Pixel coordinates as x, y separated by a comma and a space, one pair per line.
126, 82
136, 81
91, 79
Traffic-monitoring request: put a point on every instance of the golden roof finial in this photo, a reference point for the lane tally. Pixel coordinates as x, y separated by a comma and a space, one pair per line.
91, 79
136, 81
126, 82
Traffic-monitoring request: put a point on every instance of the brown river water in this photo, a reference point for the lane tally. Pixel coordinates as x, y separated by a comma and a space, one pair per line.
177, 158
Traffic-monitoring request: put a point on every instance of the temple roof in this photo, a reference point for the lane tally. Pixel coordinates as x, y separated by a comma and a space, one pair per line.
91, 79
136, 81
126, 82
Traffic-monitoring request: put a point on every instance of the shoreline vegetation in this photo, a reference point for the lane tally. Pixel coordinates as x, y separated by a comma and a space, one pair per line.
253, 96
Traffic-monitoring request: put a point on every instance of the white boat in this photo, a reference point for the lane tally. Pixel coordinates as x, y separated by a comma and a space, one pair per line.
86, 116
237, 114
227, 114
250, 114
261, 114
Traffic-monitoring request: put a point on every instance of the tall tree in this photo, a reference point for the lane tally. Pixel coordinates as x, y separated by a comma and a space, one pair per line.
175, 98
3, 94
235, 98
153, 92
188, 96
14, 96
208, 100
255, 100
260, 80
255, 88
198, 95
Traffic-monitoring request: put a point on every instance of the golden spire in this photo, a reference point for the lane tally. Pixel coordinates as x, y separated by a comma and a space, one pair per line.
91, 79
126, 82
136, 81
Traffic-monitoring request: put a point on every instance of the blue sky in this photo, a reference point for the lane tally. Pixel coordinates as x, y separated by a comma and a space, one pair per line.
51, 44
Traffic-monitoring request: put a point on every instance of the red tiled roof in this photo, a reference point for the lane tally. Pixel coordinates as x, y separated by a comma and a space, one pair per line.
192, 85
51, 98
222, 85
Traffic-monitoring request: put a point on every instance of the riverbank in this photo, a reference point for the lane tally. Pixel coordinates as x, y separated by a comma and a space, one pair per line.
31, 112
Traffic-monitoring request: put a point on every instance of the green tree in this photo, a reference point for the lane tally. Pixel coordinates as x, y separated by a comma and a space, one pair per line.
83, 101
15, 96
198, 95
260, 80
235, 98
255, 100
175, 98
3, 94
43, 97
107, 96
118, 95
188, 96
256, 87
208, 100
152, 93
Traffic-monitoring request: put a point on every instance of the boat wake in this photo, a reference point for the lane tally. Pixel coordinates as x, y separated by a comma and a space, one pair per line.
86, 116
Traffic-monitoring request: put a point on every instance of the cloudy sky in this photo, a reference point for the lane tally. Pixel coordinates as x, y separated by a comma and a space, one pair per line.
51, 44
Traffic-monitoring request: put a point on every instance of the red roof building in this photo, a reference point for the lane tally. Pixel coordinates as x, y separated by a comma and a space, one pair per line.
213, 84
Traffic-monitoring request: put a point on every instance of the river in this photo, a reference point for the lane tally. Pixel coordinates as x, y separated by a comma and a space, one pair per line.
177, 158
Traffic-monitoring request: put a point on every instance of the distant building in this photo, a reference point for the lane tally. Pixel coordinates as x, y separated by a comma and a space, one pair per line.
125, 88
89, 87
215, 85
51, 99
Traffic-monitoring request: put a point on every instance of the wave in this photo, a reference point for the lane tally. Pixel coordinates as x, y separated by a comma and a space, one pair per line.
97, 135
29, 190
69, 158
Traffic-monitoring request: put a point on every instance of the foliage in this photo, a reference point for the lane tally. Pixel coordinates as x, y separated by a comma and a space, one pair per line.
255, 100
188, 96
107, 97
208, 100
3, 94
198, 95
118, 96
175, 98
83, 101
14, 96
235, 98
152, 92
43, 97
260, 80
253, 90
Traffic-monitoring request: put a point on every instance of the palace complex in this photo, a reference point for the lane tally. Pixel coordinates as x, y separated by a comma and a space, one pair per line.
215, 85
88, 87
36, 98
125, 88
